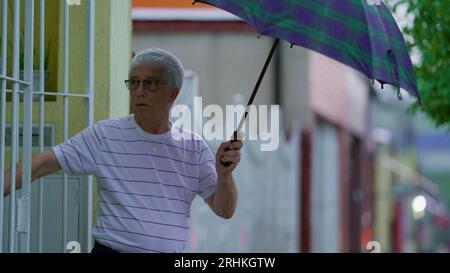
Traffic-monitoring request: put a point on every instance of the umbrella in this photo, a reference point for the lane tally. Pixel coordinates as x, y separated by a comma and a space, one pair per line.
359, 33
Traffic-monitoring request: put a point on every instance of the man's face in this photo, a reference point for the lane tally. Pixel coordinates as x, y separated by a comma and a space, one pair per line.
154, 100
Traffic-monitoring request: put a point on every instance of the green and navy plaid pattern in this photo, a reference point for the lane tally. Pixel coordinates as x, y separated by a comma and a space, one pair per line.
359, 33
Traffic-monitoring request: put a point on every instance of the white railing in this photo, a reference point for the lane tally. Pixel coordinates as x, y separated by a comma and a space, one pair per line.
20, 227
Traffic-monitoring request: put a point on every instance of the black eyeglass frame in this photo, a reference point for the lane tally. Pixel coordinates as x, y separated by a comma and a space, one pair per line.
149, 84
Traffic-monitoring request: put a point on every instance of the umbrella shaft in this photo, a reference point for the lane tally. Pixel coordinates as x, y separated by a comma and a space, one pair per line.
258, 83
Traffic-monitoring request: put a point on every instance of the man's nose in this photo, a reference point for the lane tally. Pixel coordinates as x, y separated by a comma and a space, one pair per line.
140, 91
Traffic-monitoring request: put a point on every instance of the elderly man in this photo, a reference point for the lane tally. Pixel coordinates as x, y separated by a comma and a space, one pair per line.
148, 171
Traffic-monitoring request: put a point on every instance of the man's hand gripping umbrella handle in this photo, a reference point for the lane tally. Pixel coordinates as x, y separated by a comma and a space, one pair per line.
235, 135
234, 139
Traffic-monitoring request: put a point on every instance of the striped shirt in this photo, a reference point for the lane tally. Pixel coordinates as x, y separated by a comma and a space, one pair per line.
146, 182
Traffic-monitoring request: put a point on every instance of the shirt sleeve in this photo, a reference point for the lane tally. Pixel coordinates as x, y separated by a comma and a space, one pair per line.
77, 154
207, 170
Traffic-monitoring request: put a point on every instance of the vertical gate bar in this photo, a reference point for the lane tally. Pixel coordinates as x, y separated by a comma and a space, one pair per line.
90, 43
66, 112
27, 144
41, 120
14, 125
3, 114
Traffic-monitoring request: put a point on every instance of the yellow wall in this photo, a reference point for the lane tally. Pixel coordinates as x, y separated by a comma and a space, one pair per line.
115, 49
387, 178
383, 207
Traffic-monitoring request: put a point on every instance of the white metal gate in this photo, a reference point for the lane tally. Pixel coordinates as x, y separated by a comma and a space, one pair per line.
45, 216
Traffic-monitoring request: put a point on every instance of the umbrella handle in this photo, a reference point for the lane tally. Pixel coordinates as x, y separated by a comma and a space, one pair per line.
234, 139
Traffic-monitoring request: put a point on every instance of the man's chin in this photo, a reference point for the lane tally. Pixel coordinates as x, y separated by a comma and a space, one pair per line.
143, 112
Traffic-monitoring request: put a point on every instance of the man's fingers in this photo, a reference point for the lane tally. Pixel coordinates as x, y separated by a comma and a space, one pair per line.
232, 153
231, 145
223, 146
234, 159
229, 151
235, 145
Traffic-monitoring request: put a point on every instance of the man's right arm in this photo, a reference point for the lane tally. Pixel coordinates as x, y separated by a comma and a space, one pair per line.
42, 164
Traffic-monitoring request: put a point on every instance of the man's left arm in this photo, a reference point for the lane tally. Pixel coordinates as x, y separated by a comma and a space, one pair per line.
223, 201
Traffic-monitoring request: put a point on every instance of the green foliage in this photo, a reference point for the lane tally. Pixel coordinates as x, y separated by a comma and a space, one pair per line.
431, 37
36, 58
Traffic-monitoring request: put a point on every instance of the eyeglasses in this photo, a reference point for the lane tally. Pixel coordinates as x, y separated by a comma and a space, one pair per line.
149, 84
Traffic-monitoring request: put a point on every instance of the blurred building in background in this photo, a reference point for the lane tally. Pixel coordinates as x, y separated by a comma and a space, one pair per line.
412, 183
352, 164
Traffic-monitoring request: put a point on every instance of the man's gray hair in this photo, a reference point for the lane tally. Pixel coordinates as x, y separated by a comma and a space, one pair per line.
172, 64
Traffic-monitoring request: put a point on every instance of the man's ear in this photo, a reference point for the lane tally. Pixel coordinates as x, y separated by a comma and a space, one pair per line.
174, 95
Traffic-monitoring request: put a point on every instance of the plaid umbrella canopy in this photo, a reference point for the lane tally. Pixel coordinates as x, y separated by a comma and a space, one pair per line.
359, 33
